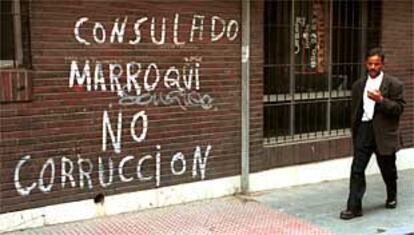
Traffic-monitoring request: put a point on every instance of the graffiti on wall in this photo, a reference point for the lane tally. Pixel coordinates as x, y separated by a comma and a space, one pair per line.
218, 28
135, 84
309, 39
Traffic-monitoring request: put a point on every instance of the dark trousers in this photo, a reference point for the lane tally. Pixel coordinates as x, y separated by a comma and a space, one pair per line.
364, 146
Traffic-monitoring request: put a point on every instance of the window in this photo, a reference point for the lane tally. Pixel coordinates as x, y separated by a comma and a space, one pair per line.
15, 77
14, 34
313, 53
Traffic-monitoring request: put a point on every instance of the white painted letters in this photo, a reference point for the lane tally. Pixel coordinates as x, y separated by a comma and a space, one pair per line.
156, 34
23, 191
131, 77
217, 36
176, 30
118, 32
99, 31
147, 74
172, 80
197, 26
158, 166
178, 157
121, 169
153, 37
85, 173
137, 31
75, 74
115, 72
232, 24
51, 164
67, 173
102, 172
99, 77
85, 167
141, 161
76, 31
144, 118
106, 127
200, 162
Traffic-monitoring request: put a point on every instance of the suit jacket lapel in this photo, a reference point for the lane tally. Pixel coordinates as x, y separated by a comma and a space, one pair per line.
362, 85
384, 85
360, 95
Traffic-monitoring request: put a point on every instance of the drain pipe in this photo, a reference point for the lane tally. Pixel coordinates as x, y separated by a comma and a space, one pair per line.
245, 65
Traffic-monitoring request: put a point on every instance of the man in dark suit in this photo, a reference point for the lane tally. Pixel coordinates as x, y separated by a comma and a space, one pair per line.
377, 104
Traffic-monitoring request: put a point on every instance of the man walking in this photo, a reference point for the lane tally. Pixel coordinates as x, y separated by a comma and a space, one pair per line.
377, 104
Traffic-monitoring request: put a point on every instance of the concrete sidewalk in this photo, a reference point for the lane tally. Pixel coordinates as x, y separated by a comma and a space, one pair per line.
321, 203
309, 209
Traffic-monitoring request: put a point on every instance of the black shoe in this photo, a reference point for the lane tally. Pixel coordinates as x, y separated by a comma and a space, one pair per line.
391, 204
350, 214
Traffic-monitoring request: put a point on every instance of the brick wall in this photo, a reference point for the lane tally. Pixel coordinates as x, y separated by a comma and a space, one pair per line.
257, 159
54, 149
397, 41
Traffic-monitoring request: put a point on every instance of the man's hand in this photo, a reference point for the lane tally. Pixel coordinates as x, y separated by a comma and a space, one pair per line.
375, 96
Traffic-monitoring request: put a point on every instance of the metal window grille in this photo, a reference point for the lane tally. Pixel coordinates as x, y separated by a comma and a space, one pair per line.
313, 53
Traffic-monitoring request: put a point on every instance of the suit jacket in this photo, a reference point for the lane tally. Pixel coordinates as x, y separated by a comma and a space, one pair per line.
386, 114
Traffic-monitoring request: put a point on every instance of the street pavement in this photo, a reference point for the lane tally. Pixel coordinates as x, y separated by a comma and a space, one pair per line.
308, 209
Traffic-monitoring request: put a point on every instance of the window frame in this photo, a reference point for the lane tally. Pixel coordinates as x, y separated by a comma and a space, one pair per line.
17, 62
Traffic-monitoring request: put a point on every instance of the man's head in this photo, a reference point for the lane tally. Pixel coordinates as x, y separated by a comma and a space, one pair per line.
374, 62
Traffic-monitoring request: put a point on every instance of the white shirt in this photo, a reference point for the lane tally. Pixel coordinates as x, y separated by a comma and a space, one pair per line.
369, 105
